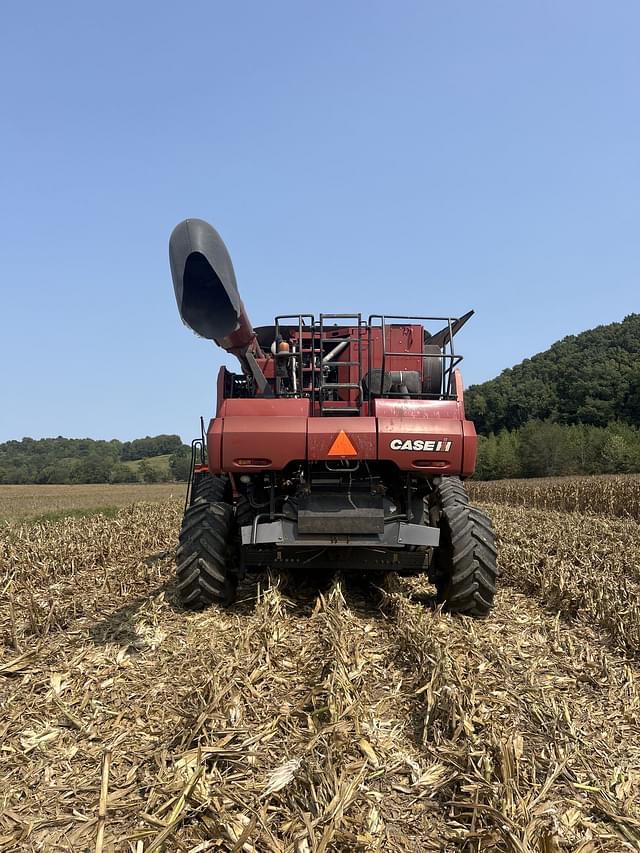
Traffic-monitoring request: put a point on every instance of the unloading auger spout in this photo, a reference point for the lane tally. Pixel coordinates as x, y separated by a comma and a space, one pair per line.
206, 291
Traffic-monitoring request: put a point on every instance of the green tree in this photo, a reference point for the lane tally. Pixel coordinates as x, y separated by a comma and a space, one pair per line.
74, 460
544, 449
507, 459
592, 378
123, 474
180, 464
486, 463
617, 456
143, 448
630, 409
148, 473
93, 469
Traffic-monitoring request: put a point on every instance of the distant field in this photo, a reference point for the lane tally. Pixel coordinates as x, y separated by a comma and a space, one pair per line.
27, 502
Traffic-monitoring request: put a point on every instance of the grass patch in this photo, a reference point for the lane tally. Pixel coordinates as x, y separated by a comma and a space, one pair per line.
160, 464
59, 514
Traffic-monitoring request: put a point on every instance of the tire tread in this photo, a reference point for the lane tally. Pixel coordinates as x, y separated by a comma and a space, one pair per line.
465, 564
202, 557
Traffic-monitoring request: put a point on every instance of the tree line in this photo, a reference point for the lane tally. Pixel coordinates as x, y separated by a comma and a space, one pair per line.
592, 378
74, 460
573, 409
545, 449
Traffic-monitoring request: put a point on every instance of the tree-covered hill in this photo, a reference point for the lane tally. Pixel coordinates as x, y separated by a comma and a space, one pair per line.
85, 460
592, 378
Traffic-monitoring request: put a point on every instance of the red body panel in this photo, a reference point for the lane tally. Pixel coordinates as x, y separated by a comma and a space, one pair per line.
264, 407
429, 436
271, 430
322, 432
433, 446
418, 409
469, 449
214, 445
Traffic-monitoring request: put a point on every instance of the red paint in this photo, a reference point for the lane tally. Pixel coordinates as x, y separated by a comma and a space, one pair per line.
264, 407
418, 409
409, 427
214, 445
264, 428
322, 433
470, 449
288, 438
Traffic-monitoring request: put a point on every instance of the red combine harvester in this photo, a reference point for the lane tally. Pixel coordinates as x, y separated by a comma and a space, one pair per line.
342, 444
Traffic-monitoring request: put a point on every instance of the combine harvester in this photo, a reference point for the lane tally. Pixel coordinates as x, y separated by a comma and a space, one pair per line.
342, 444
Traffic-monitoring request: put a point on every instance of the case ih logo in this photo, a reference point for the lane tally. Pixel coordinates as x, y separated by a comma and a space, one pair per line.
420, 444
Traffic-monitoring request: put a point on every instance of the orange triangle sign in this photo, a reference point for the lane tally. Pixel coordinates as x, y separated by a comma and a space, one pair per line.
342, 446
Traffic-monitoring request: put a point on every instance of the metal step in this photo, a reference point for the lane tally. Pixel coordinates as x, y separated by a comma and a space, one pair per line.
343, 410
332, 385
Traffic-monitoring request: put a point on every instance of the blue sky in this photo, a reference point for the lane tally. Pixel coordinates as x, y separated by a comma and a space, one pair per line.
416, 157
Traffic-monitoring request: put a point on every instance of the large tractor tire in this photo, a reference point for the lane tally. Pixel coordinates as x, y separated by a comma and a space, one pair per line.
205, 547
209, 489
245, 513
464, 565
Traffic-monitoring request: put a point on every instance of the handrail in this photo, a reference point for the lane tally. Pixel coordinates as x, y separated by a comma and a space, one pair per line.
308, 355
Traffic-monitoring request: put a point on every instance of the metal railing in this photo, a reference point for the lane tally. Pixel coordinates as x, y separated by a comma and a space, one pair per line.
306, 376
449, 359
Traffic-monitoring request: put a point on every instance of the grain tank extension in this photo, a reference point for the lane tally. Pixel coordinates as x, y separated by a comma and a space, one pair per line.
340, 444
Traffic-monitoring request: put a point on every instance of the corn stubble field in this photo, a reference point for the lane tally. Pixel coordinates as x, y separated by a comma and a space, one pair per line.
350, 719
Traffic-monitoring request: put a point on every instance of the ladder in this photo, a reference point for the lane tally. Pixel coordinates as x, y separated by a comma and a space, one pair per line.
354, 349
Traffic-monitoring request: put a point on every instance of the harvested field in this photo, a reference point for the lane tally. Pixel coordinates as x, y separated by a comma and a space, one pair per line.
349, 719
609, 494
23, 502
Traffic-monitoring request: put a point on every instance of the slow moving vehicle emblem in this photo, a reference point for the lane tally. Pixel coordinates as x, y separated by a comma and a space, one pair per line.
342, 446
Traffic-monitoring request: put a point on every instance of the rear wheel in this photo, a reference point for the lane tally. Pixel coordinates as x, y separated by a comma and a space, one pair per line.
203, 558
464, 566
208, 488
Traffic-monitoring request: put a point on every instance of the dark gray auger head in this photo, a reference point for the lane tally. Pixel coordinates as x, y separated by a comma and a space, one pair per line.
205, 284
